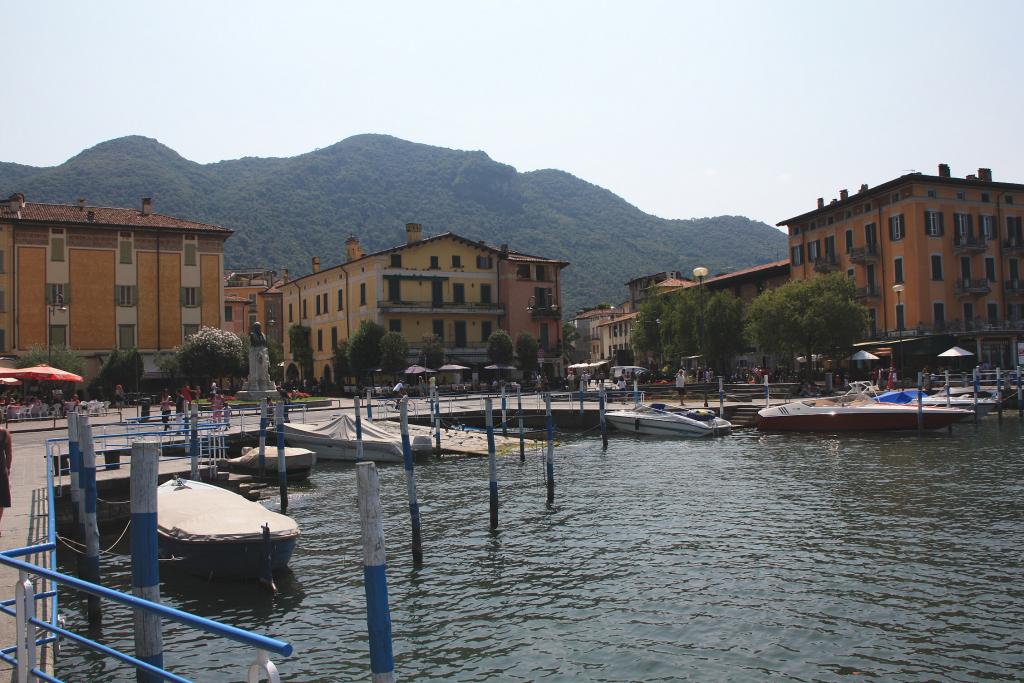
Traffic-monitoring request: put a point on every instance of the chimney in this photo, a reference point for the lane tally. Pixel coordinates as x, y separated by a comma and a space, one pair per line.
284, 276
863, 187
821, 202
147, 202
91, 216
81, 203
943, 170
413, 232
504, 249
352, 249
985, 174
843, 195
971, 176
17, 201
316, 264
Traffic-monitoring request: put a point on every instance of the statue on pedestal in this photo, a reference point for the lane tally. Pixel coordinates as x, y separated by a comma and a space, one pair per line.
259, 384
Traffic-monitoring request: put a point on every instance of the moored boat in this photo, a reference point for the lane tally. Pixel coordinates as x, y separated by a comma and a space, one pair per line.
213, 532
298, 463
853, 412
660, 420
336, 439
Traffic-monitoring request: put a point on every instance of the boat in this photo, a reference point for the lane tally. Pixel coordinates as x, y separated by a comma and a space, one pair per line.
212, 532
661, 420
962, 400
853, 411
298, 463
336, 439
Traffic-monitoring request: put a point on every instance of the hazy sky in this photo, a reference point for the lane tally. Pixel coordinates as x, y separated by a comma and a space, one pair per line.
684, 109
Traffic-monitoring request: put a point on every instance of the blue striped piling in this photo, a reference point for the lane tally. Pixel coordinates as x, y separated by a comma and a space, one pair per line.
999, 393
145, 562
282, 465
604, 425
91, 563
193, 440
550, 459
263, 438
492, 464
436, 416
378, 614
369, 405
977, 390
522, 434
359, 427
721, 397
636, 393
582, 385
410, 485
920, 403
767, 393
504, 412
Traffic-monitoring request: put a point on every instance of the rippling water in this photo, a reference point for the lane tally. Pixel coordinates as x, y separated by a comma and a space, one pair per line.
750, 557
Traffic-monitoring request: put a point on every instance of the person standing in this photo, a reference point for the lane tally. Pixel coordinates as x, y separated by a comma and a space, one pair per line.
179, 405
681, 386
165, 409
6, 457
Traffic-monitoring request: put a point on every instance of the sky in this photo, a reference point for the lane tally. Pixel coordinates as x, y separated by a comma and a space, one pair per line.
684, 109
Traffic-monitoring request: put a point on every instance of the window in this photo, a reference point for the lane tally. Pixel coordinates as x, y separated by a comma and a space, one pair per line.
228, 313
485, 330
317, 304
291, 318
341, 299
334, 338
523, 272
127, 295
990, 268
849, 241
938, 312
189, 330
900, 320
484, 262
362, 294
3, 301
434, 265
985, 198
1014, 230
961, 195
870, 235
931, 194
968, 312
326, 305
897, 227
1009, 199
460, 334
3, 340
814, 250
830, 247
937, 267
439, 329
190, 297
394, 290
873, 321
58, 293
305, 308
190, 253
125, 249
544, 342
320, 340
1014, 270
485, 294
987, 227
963, 225
456, 261
58, 335
849, 273
992, 310
126, 336
542, 273
396, 260
796, 254
933, 223
898, 269
965, 268
459, 293
394, 326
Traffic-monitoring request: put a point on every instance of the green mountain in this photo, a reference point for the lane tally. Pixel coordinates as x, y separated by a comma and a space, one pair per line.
285, 211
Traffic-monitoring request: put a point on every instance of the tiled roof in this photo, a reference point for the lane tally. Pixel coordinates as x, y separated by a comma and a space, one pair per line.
672, 282
745, 271
594, 313
102, 216
617, 319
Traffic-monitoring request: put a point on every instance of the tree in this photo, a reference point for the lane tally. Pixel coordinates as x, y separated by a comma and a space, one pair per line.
60, 357
364, 347
211, 352
570, 335
526, 351
393, 350
808, 317
433, 351
302, 348
124, 367
340, 362
499, 348
275, 353
724, 336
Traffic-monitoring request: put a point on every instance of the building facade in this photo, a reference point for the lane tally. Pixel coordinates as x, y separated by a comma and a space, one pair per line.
936, 259
100, 278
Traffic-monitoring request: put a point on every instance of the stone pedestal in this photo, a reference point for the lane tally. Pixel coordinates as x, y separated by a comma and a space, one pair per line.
259, 385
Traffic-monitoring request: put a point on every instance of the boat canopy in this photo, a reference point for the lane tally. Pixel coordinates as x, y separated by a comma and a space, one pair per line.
194, 512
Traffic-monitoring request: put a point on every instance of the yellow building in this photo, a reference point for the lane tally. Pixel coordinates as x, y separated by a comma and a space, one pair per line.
457, 289
98, 278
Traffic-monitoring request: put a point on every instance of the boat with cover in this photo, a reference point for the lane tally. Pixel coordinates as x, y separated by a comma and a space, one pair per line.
961, 400
336, 439
298, 463
213, 532
856, 410
662, 420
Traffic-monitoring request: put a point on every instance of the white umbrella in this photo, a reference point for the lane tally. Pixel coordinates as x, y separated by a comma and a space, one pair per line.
499, 366
955, 352
452, 367
417, 370
863, 355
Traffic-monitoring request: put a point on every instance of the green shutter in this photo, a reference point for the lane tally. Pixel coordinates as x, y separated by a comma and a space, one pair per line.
48, 293
134, 289
67, 293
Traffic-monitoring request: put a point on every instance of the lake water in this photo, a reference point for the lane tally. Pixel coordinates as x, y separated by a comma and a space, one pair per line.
802, 557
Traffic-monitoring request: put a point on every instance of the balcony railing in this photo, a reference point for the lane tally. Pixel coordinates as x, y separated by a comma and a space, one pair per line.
865, 254
826, 264
870, 292
545, 312
1014, 245
971, 287
1014, 286
953, 327
968, 243
449, 306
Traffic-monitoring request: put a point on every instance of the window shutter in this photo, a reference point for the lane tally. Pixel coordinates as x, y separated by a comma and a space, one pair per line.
942, 223
927, 226
199, 296
48, 293
135, 295
970, 224
181, 296
67, 293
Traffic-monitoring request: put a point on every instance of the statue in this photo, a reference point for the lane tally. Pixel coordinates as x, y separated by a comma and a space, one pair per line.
259, 384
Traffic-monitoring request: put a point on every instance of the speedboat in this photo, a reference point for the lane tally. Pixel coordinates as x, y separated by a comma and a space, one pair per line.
298, 463
854, 411
661, 420
336, 439
212, 532
985, 405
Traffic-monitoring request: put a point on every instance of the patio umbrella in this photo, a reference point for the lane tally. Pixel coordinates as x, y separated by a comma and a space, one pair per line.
863, 355
499, 366
452, 367
11, 381
955, 352
41, 373
417, 370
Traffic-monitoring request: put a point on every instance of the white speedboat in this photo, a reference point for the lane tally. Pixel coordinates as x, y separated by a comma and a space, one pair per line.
962, 398
336, 439
660, 420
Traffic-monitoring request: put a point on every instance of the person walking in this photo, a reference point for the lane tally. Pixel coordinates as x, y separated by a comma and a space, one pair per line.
165, 409
6, 457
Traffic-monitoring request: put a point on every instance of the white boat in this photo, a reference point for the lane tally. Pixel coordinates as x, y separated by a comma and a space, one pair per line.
336, 439
661, 420
298, 462
986, 403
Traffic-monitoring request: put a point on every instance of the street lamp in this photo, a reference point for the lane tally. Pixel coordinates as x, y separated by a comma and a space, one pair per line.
700, 272
57, 305
898, 288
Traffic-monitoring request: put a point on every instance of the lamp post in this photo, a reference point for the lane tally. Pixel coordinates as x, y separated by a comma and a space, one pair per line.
700, 272
56, 305
898, 288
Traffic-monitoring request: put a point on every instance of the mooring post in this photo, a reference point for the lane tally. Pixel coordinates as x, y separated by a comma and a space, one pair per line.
522, 434
977, 390
263, 438
767, 393
410, 485
436, 413
145, 560
267, 565
920, 403
999, 393
636, 393
604, 425
75, 465
193, 440
492, 464
948, 398
378, 614
550, 458
282, 465
721, 397
583, 383
504, 412
91, 563
369, 404
359, 428
1020, 403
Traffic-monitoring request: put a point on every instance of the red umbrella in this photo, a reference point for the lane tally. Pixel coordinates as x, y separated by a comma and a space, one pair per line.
41, 373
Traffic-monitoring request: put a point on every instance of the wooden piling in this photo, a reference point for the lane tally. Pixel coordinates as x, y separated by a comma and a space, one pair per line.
378, 614
91, 563
145, 557
263, 438
522, 433
369, 404
75, 465
999, 393
767, 393
977, 389
721, 397
492, 464
282, 465
436, 416
604, 424
583, 384
550, 458
504, 412
949, 402
410, 485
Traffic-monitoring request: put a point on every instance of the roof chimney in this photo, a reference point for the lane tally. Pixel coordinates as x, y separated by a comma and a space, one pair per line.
863, 187
316, 264
971, 176
352, 249
284, 275
821, 202
17, 201
844, 195
504, 249
81, 203
943, 170
413, 232
147, 203
985, 174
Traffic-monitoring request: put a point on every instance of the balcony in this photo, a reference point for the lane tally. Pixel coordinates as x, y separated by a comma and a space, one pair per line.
865, 254
459, 307
546, 312
1013, 286
968, 244
872, 291
1014, 245
826, 264
972, 287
